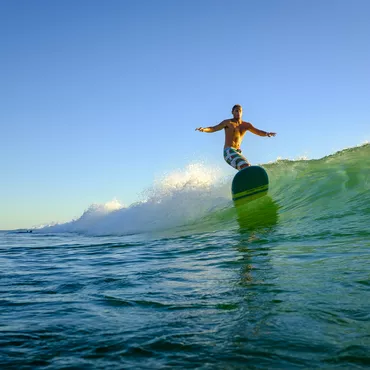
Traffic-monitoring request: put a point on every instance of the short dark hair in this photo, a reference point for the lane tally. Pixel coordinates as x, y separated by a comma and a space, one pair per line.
236, 106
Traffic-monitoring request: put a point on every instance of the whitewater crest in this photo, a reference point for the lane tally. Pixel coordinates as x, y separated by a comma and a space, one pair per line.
195, 176
105, 208
175, 198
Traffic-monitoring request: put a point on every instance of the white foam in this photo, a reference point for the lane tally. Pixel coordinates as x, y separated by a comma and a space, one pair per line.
194, 176
104, 208
174, 199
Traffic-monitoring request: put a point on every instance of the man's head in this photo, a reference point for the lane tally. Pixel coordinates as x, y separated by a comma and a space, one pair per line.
237, 111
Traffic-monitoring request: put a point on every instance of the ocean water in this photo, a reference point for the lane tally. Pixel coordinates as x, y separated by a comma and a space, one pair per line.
183, 279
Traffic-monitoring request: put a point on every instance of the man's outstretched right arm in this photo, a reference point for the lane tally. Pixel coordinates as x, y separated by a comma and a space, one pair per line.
218, 127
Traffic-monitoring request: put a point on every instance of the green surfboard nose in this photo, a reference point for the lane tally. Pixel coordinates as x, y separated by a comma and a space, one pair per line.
249, 182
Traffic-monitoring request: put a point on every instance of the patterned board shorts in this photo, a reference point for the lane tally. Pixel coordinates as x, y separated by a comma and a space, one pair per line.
234, 157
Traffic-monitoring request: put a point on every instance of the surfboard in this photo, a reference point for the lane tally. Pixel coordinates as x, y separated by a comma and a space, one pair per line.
249, 183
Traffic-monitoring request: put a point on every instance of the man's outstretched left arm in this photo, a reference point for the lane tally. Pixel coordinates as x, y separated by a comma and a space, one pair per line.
258, 132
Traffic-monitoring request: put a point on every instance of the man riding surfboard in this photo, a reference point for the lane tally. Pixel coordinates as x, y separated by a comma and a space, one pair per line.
235, 129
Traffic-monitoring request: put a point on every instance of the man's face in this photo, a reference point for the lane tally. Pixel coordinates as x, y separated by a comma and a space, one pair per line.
237, 113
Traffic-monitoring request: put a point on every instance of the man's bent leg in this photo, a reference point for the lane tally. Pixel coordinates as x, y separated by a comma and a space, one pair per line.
234, 158
244, 166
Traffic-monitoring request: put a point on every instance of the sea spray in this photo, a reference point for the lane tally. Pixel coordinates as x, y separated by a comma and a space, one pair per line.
174, 199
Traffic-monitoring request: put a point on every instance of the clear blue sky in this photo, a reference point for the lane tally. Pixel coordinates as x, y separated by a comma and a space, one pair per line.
99, 98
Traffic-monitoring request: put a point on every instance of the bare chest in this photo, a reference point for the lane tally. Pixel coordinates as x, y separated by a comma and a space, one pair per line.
235, 129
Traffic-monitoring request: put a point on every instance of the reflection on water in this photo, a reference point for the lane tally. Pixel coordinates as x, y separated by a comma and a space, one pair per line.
257, 280
256, 214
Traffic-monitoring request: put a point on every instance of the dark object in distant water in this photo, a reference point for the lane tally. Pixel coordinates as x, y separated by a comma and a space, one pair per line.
20, 231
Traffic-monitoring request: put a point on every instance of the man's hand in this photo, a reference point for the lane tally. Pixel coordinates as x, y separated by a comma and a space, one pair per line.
201, 129
269, 134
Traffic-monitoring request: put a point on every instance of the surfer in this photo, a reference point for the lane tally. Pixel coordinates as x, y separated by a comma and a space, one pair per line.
235, 129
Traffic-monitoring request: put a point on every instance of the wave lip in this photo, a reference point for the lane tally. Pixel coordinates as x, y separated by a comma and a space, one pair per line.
173, 200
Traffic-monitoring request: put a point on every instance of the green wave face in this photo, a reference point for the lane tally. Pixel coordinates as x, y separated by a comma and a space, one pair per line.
329, 195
